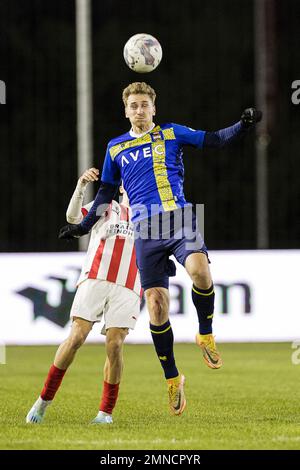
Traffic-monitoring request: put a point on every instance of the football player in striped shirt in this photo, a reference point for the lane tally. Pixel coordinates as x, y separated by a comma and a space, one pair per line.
109, 286
149, 159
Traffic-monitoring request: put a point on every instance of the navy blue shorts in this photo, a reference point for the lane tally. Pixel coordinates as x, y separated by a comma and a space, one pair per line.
156, 240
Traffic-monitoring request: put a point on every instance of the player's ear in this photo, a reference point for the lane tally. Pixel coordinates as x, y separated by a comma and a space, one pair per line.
154, 110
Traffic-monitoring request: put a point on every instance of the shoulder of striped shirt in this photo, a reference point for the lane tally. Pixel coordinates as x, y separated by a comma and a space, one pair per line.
85, 209
118, 205
115, 204
124, 211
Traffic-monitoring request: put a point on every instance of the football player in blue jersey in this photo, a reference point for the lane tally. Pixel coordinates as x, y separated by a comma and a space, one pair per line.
149, 159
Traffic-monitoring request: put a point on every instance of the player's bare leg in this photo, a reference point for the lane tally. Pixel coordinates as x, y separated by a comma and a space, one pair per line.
113, 367
197, 267
203, 297
112, 374
158, 300
67, 350
63, 358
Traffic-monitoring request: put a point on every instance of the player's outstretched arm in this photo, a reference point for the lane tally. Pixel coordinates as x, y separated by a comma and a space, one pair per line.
217, 139
103, 198
74, 211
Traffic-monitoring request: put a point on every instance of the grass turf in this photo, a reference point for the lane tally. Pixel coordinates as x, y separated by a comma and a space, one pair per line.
251, 403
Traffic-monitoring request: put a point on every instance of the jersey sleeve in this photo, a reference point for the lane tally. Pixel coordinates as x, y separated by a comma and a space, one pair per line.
110, 172
188, 136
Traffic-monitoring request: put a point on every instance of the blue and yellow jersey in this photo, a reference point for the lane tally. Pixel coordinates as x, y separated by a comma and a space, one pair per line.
151, 167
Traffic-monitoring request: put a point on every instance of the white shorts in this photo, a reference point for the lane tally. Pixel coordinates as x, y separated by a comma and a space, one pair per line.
95, 298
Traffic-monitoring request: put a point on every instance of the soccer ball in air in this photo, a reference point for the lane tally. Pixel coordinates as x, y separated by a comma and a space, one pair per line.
142, 53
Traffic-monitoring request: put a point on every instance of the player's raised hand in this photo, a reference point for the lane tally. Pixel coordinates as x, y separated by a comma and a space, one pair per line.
251, 116
71, 231
90, 175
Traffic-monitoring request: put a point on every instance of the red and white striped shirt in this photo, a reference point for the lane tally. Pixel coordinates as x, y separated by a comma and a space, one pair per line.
111, 253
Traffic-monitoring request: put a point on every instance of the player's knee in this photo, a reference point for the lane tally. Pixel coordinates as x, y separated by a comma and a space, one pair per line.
157, 304
76, 340
114, 346
201, 279
114, 343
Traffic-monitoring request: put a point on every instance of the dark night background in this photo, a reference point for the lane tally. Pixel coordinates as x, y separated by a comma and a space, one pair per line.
205, 80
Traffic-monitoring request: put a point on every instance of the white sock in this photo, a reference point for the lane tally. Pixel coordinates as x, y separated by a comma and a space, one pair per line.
42, 404
102, 413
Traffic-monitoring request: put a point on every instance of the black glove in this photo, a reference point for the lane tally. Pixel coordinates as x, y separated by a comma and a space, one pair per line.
70, 231
251, 116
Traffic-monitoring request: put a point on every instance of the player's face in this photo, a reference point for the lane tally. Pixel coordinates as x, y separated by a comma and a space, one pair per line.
140, 111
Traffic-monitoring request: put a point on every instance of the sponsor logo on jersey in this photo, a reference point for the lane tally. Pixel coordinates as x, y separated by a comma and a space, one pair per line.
123, 229
145, 152
156, 136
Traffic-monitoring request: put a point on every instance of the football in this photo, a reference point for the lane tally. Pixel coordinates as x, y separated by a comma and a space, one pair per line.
142, 53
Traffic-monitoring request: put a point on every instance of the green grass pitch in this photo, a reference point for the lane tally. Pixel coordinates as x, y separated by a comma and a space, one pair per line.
251, 403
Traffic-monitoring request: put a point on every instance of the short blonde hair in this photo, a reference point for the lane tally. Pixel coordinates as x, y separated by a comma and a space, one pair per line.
138, 88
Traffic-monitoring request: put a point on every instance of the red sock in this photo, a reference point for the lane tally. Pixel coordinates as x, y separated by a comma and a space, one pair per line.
53, 381
109, 397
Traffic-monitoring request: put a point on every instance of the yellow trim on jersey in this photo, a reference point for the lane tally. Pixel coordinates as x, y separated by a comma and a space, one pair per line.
161, 176
168, 134
201, 293
159, 161
146, 139
160, 332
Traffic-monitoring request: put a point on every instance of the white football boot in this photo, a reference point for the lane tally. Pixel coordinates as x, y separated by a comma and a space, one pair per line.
37, 412
103, 418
